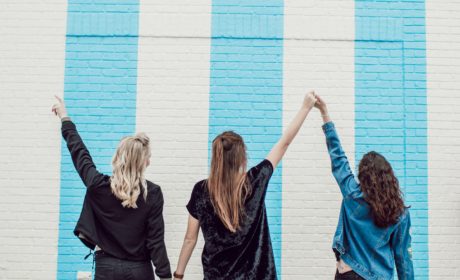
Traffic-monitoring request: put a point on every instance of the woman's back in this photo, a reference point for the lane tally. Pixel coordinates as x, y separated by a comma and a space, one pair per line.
370, 250
127, 233
361, 243
246, 253
229, 207
121, 231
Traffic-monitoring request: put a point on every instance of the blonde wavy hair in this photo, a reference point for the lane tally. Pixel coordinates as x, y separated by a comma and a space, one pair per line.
129, 164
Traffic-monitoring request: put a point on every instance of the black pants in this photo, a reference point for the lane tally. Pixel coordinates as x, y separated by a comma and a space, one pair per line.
350, 275
110, 268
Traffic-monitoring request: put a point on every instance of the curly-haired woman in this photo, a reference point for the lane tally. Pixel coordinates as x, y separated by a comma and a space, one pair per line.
372, 235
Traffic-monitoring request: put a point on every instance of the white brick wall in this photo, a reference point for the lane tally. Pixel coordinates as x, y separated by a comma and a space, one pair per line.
31, 72
172, 107
443, 66
319, 56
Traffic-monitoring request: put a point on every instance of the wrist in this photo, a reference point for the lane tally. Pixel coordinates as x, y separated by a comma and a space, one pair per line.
326, 118
178, 276
307, 107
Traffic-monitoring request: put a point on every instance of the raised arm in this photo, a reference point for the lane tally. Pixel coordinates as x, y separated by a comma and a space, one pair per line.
280, 148
80, 155
402, 250
339, 161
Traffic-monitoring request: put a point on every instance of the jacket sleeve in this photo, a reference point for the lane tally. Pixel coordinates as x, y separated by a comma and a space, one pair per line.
339, 162
80, 155
402, 250
155, 237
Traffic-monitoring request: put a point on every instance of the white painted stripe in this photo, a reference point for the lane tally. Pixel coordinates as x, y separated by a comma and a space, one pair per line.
318, 54
443, 82
172, 107
31, 72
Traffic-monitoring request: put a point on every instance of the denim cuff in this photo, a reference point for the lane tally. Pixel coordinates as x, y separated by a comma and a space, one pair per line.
329, 126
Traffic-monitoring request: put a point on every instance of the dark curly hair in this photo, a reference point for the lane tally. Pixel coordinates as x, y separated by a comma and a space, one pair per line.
381, 189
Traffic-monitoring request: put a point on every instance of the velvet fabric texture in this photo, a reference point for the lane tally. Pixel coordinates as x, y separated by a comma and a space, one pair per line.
247, 253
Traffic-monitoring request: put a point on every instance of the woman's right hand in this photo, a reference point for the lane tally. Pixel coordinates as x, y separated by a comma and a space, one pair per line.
309, 100
59, 108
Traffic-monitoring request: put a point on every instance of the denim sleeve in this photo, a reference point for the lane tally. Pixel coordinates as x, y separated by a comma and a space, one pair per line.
80, 155
402, 250
339, 162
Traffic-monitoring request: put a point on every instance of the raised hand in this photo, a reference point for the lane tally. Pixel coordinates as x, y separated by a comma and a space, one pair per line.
322, 107
59, 108
309, 100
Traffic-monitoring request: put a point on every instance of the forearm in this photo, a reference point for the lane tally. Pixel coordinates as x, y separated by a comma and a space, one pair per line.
185, 254
80, 155
339, 163
280, 148
404, 268
294, 126
77, 149
160, 261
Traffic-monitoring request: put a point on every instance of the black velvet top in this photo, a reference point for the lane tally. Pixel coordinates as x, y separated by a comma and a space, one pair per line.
246, 254
125, 233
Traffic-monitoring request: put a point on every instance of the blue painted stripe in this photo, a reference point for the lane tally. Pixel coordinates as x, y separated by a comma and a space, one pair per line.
246, 85
100, 93
391, 110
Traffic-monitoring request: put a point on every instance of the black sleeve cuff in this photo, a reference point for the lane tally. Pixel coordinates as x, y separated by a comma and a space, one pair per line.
66, 119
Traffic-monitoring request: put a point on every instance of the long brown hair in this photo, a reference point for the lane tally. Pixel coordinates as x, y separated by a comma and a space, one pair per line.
381, 189
227, 184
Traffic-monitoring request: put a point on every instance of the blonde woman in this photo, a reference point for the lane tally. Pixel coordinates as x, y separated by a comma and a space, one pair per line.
229, 208
122, 215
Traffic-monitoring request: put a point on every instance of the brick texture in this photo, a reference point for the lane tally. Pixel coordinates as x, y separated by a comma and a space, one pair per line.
175, 69
443, 66
31, 72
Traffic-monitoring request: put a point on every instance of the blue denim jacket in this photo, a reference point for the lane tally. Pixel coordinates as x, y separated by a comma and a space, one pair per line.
370, 251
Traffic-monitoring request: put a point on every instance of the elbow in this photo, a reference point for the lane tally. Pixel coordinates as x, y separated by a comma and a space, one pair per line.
190, 240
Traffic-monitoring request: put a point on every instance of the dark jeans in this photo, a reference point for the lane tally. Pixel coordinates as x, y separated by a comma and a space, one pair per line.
350, 275
110, 268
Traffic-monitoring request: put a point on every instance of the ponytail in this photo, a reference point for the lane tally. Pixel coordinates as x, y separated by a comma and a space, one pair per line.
227, 184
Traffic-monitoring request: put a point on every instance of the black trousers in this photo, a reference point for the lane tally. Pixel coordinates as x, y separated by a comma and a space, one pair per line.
110, 268
350, 275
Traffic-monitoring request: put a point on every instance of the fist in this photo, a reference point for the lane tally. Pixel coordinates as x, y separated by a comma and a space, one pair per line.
310, 100
59, 108
321, 104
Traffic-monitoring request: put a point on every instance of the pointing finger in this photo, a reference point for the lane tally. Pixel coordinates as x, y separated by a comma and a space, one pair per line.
58, 98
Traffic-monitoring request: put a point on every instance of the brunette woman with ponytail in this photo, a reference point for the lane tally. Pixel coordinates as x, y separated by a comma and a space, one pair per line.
229, 207
372, 235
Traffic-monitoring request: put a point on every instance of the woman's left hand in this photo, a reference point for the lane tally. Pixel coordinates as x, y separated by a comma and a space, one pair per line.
59, 108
